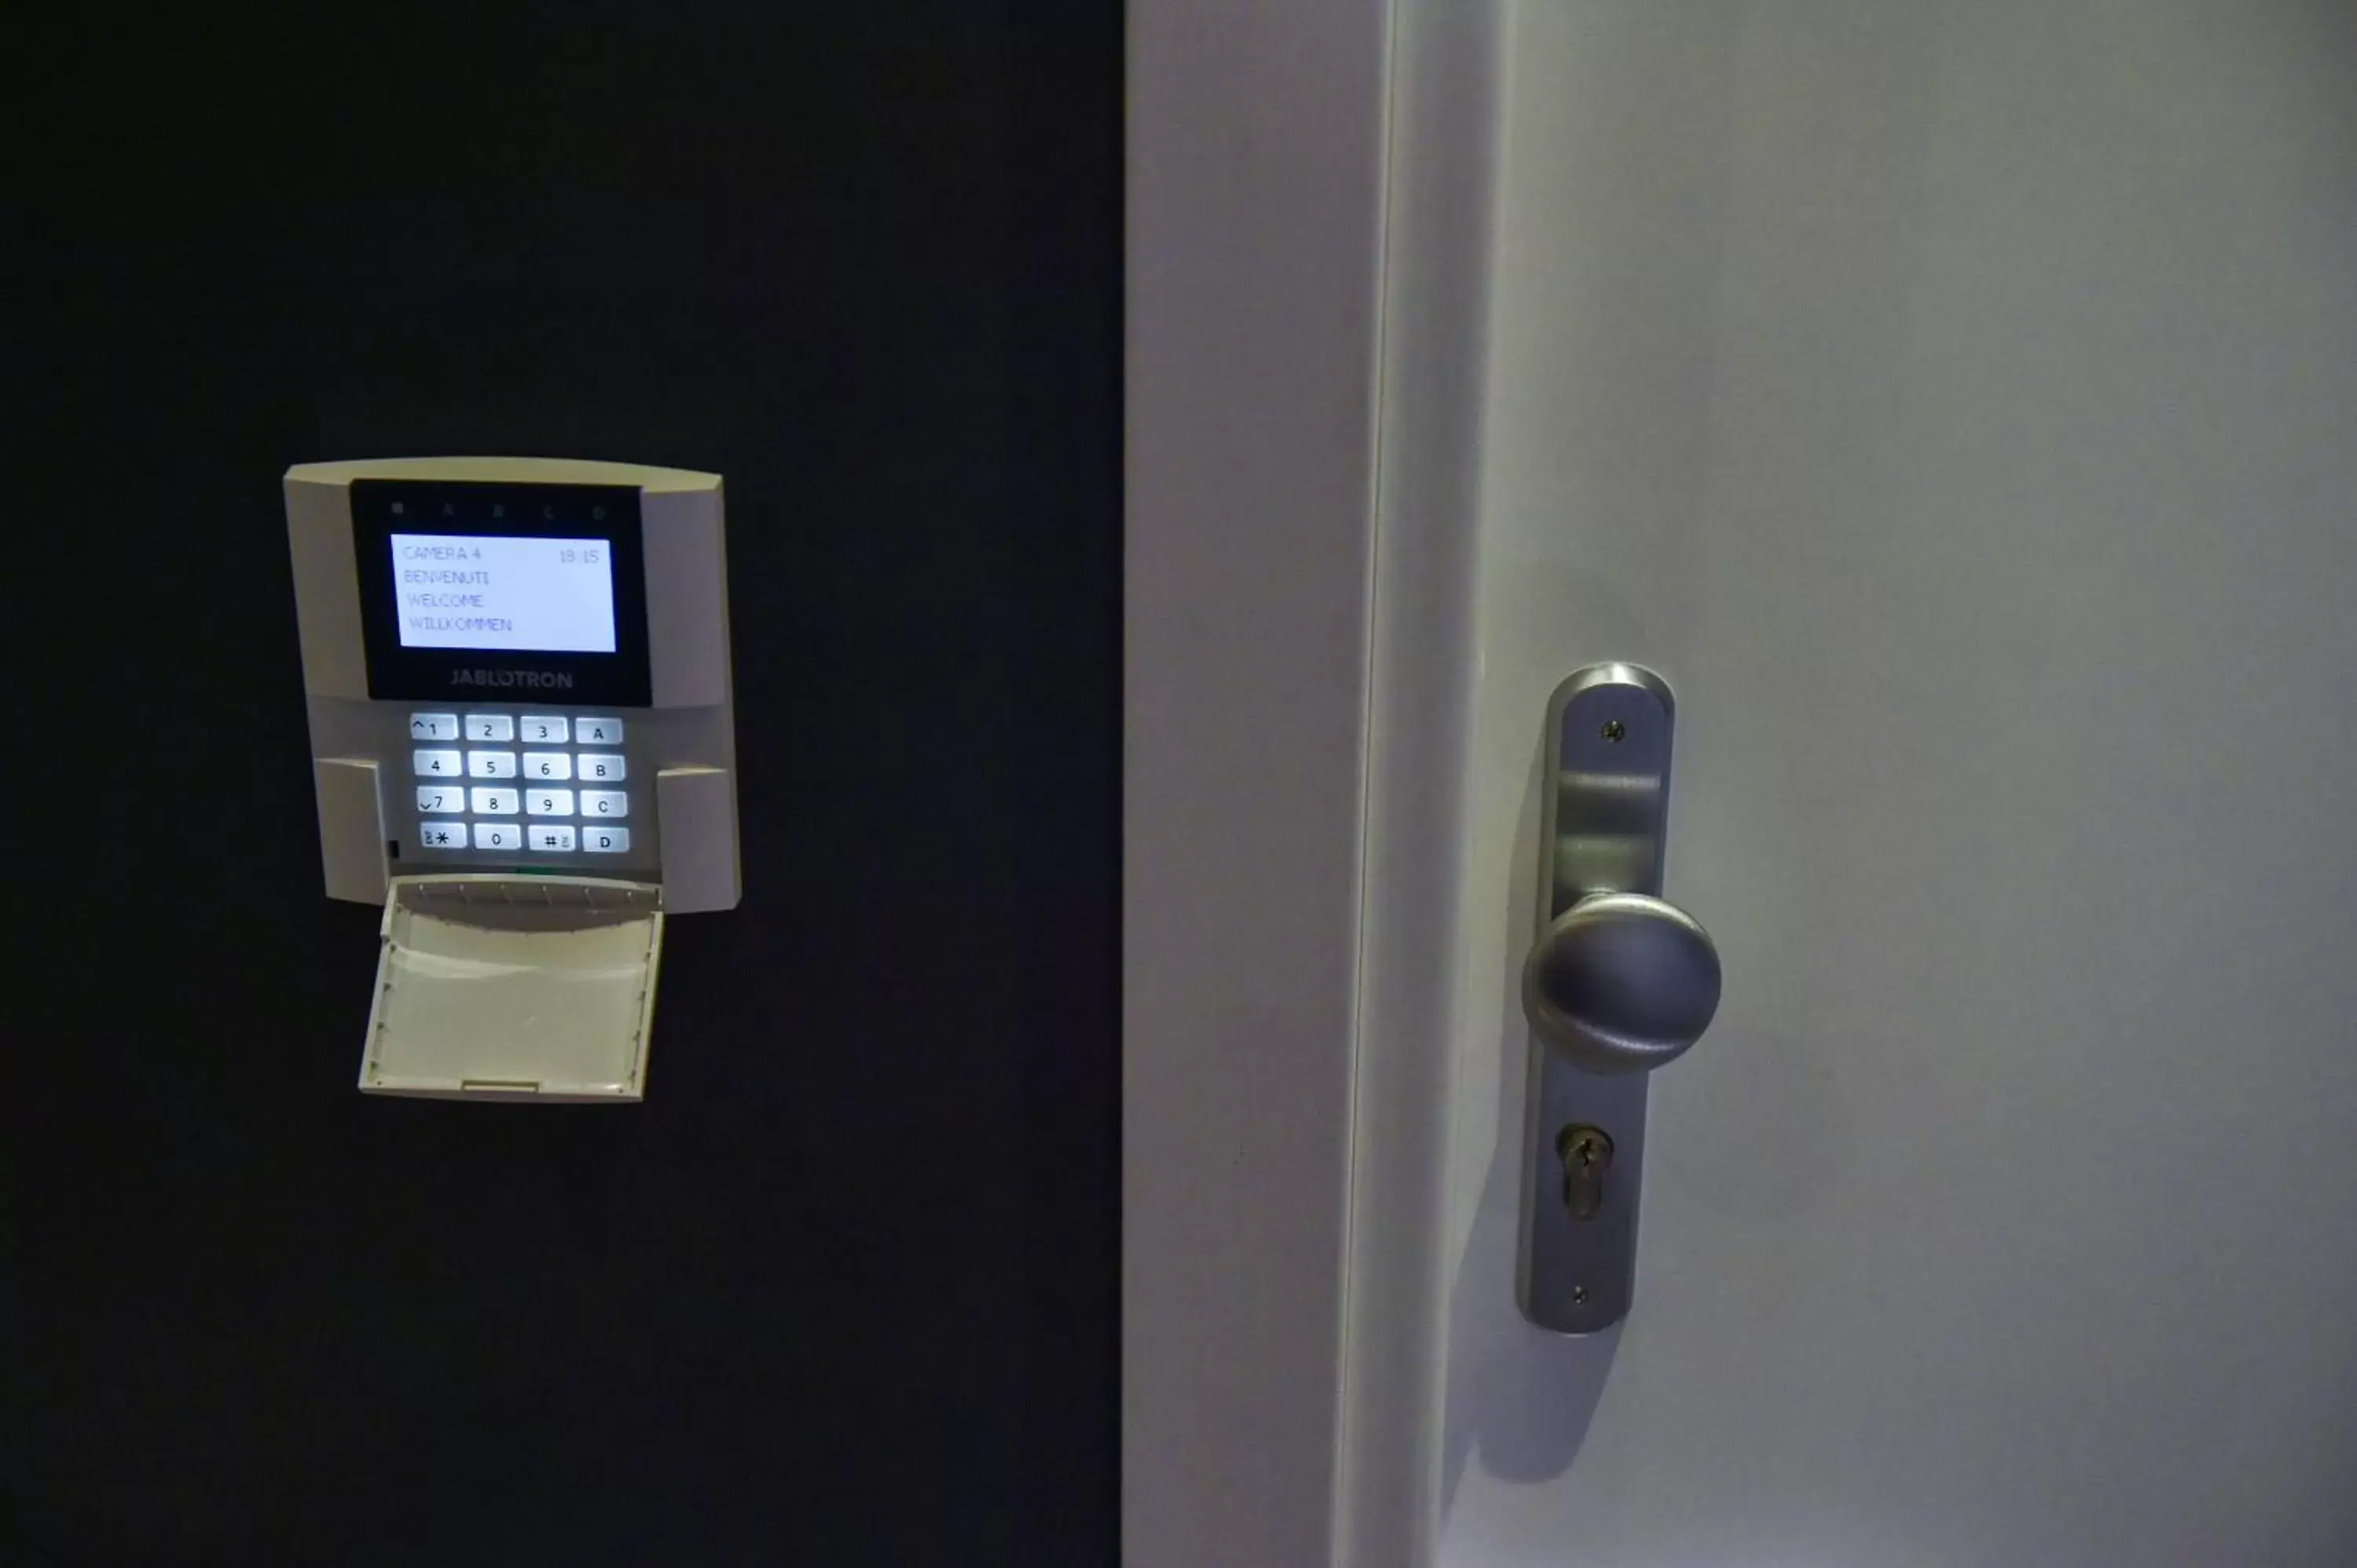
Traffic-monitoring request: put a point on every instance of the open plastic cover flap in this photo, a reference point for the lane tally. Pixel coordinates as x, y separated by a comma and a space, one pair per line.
502, 987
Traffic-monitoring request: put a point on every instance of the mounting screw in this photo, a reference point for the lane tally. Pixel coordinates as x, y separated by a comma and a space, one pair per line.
1579, 1296
1613, 730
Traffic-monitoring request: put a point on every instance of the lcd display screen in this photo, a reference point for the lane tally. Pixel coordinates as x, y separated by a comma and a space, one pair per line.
488, 591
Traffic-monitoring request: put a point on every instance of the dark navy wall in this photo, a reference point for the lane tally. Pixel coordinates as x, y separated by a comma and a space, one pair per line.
843, 1289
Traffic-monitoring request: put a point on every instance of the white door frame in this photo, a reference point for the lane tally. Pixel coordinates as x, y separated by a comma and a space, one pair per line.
1307, 280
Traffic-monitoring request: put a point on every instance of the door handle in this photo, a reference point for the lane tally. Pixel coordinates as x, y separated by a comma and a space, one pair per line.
1621, 983
1618, 982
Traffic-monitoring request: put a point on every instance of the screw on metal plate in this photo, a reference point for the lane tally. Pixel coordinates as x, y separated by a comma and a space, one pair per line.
1613, 730
1587, 1154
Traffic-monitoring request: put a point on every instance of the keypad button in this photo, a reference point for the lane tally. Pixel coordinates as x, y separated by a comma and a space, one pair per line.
540, 727
440, 798
549, 839
494, 802
497, 835
606, 766
547, 802
605, 802
491, 765
433, 727
598, 732
436, 764
443, 835
599, 840
547, 765
491, 726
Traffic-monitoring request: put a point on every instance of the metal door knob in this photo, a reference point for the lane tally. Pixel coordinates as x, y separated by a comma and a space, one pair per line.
1621, 983
1617, 983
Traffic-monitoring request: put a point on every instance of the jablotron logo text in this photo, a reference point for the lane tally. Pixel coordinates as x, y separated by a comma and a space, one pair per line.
538, 679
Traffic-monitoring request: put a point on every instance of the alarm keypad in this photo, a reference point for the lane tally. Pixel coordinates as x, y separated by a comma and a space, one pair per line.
486, 796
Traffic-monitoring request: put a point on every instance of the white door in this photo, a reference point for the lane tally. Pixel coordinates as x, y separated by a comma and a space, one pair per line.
1957, 404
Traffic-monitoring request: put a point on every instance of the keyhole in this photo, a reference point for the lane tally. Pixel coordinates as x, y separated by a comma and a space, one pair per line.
1587, 1154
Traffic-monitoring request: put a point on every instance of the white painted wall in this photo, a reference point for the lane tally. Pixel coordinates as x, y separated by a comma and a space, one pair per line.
1958, 404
